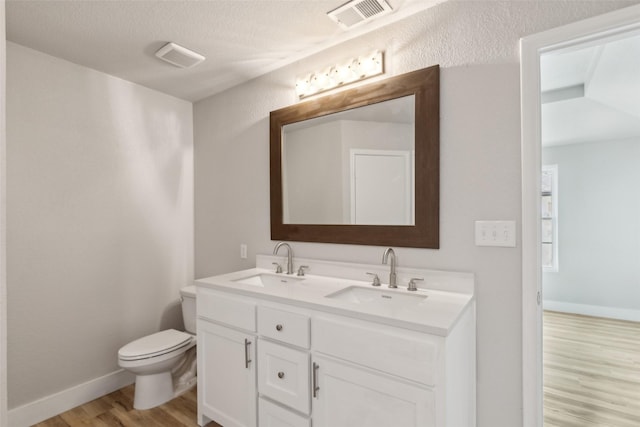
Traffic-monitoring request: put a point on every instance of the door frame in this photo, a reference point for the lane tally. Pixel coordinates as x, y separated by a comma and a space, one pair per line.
593, 30
3, 221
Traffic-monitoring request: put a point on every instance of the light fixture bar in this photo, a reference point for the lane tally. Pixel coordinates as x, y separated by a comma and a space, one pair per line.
351, 71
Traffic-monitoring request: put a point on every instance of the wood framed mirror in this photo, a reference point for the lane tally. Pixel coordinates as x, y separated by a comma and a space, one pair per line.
366, 180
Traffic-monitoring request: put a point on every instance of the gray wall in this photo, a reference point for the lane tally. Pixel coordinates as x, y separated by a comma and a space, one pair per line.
477, 46
599, 231
100, 216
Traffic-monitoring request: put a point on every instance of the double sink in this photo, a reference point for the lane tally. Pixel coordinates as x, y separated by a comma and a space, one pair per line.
366, 296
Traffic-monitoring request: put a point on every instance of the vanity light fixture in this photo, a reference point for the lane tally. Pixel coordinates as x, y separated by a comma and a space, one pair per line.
351, 71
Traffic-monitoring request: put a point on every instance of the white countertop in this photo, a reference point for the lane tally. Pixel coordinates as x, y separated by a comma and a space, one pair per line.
436, 314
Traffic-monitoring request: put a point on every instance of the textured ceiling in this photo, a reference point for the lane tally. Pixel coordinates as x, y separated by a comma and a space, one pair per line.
609, 108
241, 39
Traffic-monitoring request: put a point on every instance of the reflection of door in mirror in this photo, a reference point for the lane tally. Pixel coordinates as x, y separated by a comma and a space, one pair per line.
381, 187
317, 167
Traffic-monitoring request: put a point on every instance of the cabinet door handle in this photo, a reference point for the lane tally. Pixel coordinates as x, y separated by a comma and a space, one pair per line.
247, 343
280, 374
315, 379
278, 327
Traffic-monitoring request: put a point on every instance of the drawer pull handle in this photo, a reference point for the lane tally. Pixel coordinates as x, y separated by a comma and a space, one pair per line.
278, 327
315, 379
280, 374
247, 343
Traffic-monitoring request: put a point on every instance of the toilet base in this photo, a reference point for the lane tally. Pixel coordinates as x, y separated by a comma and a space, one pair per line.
155, 389
152, 390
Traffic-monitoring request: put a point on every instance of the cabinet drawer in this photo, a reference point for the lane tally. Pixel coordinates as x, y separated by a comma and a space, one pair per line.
283, 375
272, 415
407, 354
285, 326
228, 309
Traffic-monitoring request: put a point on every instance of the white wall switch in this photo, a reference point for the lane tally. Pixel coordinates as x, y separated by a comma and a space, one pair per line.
243, 251
496, 233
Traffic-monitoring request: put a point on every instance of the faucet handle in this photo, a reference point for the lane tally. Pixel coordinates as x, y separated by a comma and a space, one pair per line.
376, 279
412, 283
278, 267
301, 269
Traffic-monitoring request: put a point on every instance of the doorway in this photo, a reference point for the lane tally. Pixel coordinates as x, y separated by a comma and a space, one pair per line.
594, 31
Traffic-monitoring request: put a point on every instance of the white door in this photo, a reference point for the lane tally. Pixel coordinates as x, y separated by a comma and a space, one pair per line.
227, 378
348, 396
381, 187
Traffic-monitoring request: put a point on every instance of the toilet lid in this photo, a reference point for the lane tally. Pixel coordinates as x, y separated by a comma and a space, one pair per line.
154, 345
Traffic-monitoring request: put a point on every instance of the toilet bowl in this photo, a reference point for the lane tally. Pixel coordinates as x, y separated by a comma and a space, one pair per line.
164, 362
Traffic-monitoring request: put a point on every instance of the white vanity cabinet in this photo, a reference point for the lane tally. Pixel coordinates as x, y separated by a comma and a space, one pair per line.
226, 360
273, 361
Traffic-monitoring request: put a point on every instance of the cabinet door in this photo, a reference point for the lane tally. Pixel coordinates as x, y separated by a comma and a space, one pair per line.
226, 376
349, 396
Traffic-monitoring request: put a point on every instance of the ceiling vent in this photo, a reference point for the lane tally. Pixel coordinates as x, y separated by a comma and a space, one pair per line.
179, 56
357, 12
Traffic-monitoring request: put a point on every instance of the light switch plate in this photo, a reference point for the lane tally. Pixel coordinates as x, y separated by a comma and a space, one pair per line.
496, 233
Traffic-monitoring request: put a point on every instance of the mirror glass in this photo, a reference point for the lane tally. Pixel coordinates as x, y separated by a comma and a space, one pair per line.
351, 167
361, 166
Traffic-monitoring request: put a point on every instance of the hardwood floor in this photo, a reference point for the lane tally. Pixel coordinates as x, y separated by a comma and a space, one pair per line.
591, 371
116, 409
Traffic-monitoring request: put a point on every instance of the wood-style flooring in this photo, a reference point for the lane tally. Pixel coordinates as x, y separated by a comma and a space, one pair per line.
116, 409
591, 371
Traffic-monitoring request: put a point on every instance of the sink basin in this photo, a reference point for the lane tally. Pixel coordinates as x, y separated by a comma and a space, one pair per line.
269, 280
375, 297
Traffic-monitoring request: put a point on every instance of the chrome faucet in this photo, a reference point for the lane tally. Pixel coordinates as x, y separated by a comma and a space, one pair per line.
392, 273
289, 255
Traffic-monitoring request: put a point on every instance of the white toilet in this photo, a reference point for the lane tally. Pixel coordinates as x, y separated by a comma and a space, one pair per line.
164, 362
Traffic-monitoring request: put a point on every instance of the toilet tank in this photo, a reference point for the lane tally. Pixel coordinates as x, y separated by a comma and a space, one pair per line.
188, 297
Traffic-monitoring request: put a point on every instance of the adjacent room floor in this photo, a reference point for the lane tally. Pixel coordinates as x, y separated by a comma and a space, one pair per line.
591, 371
116, 409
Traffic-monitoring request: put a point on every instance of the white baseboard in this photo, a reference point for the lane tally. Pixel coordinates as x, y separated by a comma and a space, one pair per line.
50, 406
593, 310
